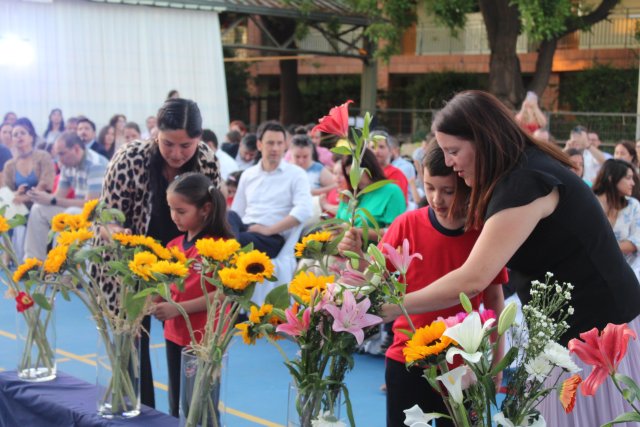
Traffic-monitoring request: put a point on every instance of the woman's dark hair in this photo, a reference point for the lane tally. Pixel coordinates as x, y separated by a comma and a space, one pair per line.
133, 125
102, 136
303, 141
179, 113
233, 179
630, 146
50, 125
26, 123
198, 190
481, 119
113, 121
173, 93
433, 161
369, 162
606, 182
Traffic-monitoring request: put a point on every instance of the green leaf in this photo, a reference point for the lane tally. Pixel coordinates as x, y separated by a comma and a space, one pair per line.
624, 418
355, 174
278, 297
343, 151
133, 306
506, 361
42, 301
376, 185
630, 383
370, 217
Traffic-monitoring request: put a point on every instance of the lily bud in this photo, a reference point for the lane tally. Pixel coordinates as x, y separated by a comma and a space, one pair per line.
507, 317
466, 302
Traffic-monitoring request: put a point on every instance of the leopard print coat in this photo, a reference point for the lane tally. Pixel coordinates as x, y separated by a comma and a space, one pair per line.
126, 187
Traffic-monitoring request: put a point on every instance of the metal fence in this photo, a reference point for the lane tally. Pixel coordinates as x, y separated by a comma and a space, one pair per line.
410, 125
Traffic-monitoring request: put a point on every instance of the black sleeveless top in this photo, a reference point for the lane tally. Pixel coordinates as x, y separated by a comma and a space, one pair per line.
576, 243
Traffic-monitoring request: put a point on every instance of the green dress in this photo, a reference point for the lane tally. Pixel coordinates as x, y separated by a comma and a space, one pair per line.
384, 205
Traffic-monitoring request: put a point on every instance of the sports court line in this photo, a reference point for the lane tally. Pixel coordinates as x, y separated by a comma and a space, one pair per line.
161, 386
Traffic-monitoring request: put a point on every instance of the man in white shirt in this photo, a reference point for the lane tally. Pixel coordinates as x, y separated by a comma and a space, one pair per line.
273, 196
593, 158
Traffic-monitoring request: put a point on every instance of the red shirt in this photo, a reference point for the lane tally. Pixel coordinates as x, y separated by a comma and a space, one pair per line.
175, 329
396, 175
442, 251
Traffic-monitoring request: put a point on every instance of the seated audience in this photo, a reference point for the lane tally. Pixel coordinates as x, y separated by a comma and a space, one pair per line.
379, 144
626, 150
107, 139
82, 170
320, 179
55, 127
227, 164
87, 133
131, 132
593, 157
578, 163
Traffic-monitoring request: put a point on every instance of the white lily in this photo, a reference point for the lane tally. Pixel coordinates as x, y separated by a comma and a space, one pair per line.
468, 334
501, 420
414, 417
558, 355
452, 380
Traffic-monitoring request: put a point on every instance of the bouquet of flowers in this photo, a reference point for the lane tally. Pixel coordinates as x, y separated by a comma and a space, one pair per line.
228, 274
34, 302
456, 354
138, 262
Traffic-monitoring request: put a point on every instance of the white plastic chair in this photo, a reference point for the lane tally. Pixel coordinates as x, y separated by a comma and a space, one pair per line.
284, 263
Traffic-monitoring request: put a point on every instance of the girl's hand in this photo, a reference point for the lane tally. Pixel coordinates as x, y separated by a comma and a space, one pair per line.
352, 241
164, 311
108, 230
389, 312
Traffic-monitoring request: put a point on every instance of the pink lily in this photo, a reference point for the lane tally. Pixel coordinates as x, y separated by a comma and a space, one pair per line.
336, 123
400, 258
353, 277
486, 315
603, 351
352, 317
453, 320
295, 326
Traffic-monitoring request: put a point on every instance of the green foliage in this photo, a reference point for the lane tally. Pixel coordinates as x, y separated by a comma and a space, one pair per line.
237, 76
544, 19
452, 14
320, 93
601, 88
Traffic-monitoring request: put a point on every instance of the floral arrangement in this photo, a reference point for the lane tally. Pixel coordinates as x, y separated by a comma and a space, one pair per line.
457, 356
138, 262
228, 274
34, 303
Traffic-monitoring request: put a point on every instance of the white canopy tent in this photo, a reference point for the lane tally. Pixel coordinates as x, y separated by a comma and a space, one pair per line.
99, 59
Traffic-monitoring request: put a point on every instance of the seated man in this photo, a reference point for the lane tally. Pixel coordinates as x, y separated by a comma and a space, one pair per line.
82, 170
273, 196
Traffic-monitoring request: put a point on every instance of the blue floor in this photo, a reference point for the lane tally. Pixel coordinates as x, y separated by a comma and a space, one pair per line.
257, 380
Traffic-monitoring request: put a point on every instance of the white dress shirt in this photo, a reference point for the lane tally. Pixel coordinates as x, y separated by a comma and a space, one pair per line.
227, 164
268, 197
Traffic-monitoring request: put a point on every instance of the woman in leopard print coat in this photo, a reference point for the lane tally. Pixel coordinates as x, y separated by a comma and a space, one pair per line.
136, 183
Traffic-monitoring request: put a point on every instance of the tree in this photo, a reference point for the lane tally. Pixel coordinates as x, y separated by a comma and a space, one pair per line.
546, 21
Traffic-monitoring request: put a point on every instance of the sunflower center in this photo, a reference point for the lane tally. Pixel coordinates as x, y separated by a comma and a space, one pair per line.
255, 268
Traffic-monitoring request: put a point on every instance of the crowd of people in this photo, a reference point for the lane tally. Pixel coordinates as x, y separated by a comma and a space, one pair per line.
482, 170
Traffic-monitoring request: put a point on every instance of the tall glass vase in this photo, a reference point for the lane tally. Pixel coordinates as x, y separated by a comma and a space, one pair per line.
310, 406
201, 386
118, 374
36, 338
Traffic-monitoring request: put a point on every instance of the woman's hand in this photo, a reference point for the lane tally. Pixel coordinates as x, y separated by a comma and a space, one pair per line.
164, 311
351, 241
109, 229
390, 312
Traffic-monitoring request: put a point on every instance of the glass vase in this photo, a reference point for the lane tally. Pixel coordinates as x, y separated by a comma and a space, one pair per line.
36, 338
118, 374
201, 385
311, 406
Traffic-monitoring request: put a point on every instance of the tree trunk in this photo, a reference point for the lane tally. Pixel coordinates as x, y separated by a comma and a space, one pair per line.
290, 97
503, 25
544, 62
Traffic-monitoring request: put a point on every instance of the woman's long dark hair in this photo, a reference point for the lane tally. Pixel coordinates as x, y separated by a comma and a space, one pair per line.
481, 119
433, 161
606, 182
369, 162
198, 190
175, 114
50, 125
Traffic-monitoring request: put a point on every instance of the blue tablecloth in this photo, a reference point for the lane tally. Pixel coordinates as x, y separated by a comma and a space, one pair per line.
63, 402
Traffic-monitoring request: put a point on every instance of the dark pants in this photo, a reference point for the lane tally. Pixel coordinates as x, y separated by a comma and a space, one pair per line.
271, 245
174, 354
406, 388
147, 396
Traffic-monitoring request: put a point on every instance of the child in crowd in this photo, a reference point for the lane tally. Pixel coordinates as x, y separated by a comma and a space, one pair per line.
438, 234
232, 186
199, 210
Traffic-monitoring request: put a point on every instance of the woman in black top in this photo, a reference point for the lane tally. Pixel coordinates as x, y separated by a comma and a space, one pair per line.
536, 217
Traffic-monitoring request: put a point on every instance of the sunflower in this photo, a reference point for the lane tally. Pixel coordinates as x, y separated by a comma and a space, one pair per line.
568, 391
178, 255
64, 221
257, 314
427, 341
141, 264
77, 236
89, 207
248, 335
170, 268
55, 258
320, 236
27, 265
146, 241
256, 264
4, 224
217, 249
233, 278
305, 283
123, 239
